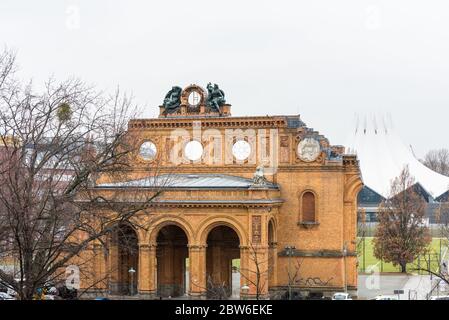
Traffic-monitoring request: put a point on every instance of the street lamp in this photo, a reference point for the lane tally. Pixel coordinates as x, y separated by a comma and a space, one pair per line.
289, 250
131, 285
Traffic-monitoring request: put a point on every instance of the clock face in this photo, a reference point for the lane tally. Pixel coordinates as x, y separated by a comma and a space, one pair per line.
148, 150
194, 98
308, 149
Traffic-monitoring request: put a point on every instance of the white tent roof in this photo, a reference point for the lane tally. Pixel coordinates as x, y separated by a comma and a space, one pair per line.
383, 155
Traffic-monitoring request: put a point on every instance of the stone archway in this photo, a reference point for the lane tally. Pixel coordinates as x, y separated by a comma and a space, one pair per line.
223, 250
172, 261
124, 258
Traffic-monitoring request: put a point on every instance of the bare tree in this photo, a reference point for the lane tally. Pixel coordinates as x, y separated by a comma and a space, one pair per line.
216, 291
7, 69
437, 160
54, 146
440, 271
257, 276
401, 235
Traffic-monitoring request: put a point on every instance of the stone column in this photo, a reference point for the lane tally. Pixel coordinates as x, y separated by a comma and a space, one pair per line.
244, 274
197, 271
264, 267
272, 265
113, 266
147, 270
100, 268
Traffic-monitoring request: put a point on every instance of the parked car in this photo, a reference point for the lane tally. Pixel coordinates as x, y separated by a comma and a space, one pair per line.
386, 297
296, 295
52, 291
341, 296
8, 290
12, 293
5, 296
315, 296
439, 298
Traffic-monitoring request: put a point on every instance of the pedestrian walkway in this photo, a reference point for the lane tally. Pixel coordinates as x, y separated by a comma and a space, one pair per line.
415, 287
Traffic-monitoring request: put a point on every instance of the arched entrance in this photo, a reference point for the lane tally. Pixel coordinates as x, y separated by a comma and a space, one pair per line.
223, 262
172, 262
124, 255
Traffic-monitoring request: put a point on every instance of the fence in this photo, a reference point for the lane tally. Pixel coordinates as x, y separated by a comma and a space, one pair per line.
368, 229
439, 288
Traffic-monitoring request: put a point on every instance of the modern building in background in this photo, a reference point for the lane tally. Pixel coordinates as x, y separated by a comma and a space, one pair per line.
383, 155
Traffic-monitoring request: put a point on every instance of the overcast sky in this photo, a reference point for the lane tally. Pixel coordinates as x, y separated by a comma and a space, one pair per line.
325, 60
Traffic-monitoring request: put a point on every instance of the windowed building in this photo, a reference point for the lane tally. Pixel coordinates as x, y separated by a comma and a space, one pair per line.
249, 206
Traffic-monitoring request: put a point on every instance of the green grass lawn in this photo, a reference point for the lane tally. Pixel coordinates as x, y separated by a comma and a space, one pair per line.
366, 260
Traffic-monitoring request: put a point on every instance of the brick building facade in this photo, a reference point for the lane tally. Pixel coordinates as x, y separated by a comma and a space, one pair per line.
251, 188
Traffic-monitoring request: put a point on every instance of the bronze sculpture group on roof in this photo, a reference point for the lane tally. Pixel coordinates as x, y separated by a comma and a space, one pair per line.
214, 100
172, 99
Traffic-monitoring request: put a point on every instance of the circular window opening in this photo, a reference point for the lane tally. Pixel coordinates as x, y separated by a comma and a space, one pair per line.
148, 150
194, 98
241, 150
193, 150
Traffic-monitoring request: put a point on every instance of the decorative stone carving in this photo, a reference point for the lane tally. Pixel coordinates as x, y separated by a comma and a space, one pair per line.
284, 141
285, 155
196, 90
257, 229
259, 177
309, 149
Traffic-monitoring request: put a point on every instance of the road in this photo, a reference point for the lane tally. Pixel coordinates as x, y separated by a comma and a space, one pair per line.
415, 287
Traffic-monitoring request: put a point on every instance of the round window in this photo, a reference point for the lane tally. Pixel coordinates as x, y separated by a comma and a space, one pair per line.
148, 150
193, 150
241, 150
194, 98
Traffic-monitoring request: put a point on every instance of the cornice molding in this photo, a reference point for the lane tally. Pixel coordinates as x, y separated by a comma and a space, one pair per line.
248, 168
236, 204
201, 204
227, 122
